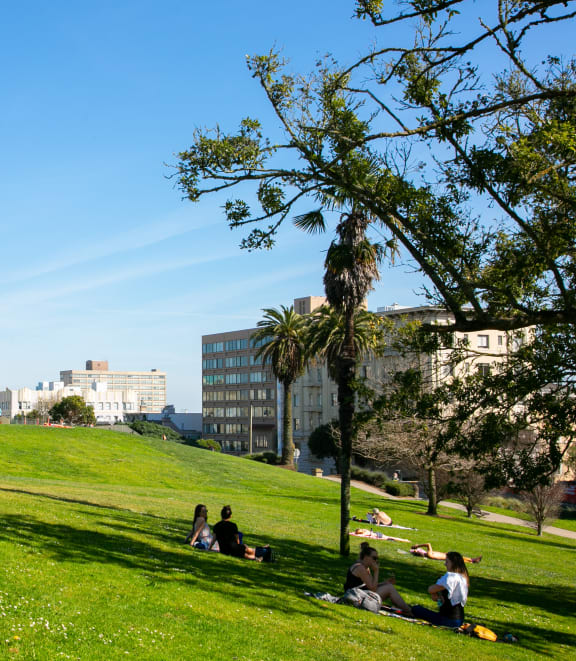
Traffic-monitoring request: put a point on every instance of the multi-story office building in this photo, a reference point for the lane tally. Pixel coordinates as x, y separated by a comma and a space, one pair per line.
241, 399
239, 394
150, 386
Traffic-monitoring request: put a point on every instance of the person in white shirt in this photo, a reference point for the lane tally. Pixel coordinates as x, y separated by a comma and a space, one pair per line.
450, 592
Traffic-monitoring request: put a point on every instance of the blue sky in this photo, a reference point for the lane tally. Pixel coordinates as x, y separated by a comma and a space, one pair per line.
101, 258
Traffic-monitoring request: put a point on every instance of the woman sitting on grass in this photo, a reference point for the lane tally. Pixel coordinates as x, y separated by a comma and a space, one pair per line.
364, 574
200, 536
450, 592
379, 518
229, 538
425, 551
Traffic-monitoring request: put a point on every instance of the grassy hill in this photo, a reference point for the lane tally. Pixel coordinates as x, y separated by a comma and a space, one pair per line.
93, 565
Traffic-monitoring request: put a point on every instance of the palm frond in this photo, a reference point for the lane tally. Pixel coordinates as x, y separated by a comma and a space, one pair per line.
312, 222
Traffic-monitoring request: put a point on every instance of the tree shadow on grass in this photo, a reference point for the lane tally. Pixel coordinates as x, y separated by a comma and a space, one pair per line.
136, 544
141, 544
65, 499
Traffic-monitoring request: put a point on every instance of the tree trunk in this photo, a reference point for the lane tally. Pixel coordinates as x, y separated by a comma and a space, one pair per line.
346, 407
432, 498
287, 442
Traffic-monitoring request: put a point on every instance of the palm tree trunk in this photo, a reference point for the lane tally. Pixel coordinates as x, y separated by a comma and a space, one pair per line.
346, 407
432, 496
287, 442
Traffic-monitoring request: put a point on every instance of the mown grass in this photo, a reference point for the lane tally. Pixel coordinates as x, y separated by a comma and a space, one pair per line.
93, 565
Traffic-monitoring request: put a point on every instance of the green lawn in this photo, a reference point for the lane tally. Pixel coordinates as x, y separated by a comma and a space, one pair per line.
93, 565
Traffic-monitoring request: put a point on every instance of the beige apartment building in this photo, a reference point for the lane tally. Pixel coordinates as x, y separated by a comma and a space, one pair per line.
150, 385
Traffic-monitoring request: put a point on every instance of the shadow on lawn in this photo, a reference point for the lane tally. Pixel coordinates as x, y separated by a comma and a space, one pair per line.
64, 499
132, 541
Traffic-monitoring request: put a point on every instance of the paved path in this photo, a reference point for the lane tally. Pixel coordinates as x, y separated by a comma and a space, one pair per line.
486, 516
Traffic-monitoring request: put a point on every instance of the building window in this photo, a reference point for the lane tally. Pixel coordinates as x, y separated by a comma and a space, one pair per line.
236, 345
500, 340
260, 343
334, 399
483, 341
212, 347
296, 399
237, 361
213, 379
238, 377
212, 364
483, 369
296, 424
260, 441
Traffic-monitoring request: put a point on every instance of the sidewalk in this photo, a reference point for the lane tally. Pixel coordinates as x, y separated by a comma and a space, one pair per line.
486, 516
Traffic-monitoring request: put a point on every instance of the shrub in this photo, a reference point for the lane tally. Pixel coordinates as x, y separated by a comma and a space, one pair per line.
514, 504
375, 478
257, 457
402, 489
265, 458
272, 458
154, 430
206, 444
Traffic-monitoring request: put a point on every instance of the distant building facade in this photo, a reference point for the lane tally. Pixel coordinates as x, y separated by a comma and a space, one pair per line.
112, 395
109, 406
150, 386
232, 382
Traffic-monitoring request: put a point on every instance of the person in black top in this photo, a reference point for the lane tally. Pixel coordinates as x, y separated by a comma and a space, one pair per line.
226, 533
364, 574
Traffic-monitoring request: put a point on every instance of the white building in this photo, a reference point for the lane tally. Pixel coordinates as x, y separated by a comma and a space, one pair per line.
109, 405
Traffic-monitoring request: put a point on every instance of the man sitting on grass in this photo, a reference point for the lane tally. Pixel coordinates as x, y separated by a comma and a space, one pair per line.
229, 538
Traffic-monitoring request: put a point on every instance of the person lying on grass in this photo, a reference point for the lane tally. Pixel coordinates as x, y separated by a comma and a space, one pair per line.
364, 573
450, 592
363, 532
426, 551
200, 536
229, 539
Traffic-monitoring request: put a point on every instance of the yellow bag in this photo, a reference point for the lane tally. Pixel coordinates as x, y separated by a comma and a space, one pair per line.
478, 631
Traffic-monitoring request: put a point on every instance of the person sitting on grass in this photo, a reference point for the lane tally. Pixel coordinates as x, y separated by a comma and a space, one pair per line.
425, 551
450, 592
229, 538
379, 518
200, 536
364, 573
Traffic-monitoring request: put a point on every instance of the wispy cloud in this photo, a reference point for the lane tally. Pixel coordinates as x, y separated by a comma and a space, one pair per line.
136, 238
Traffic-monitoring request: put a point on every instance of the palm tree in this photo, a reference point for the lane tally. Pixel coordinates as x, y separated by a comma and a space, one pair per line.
351, 266
327, 339
281, 333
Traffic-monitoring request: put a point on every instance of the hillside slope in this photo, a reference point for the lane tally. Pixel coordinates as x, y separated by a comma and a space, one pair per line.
93, 565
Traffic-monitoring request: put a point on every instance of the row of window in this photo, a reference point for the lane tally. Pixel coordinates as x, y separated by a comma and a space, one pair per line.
258, 394
238, 412
224, 428
235, 378
229, 345
232, 345
232, 361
